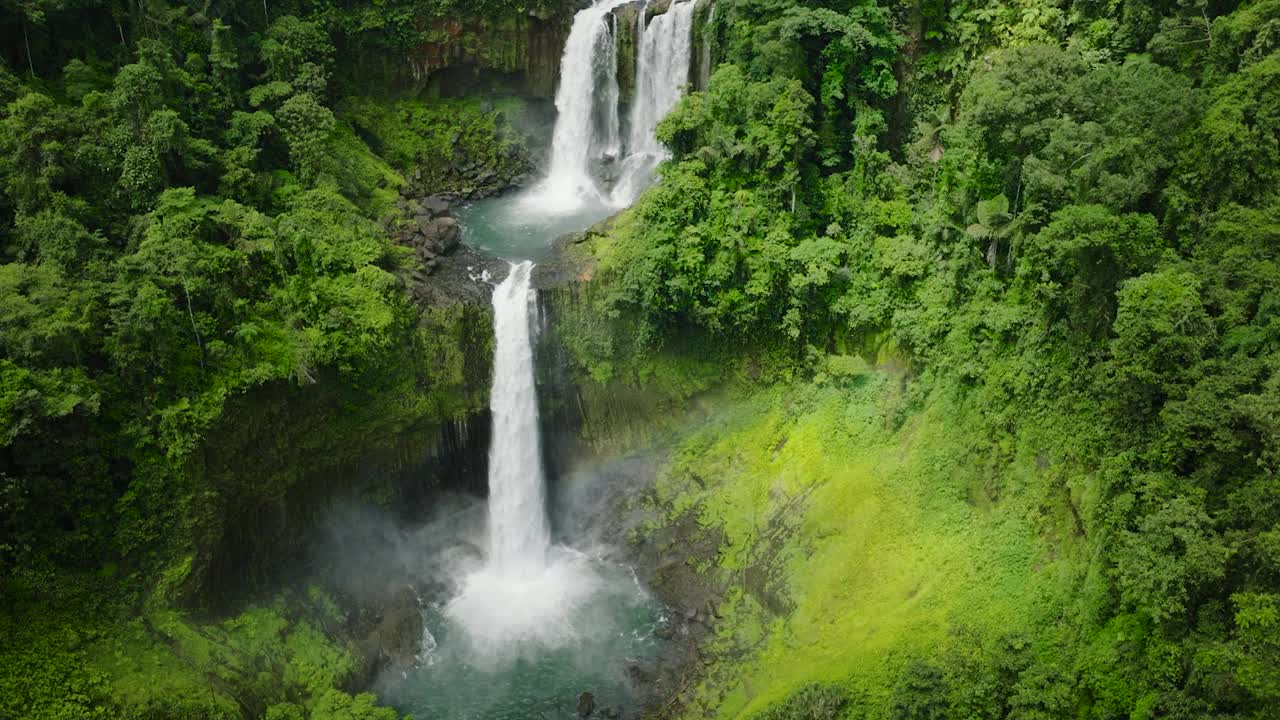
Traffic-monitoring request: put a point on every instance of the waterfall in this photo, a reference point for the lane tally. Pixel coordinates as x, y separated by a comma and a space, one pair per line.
518, 532
608, 144
588, 128
589, 56
704, 63
527, 594
663, 49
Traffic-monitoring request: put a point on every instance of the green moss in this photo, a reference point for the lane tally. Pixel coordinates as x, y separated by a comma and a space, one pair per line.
363, 176
852, 546
431, 139
166, 664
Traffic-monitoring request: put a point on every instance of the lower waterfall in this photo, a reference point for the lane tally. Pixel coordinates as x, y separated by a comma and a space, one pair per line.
518, 533
527, 591
522, 620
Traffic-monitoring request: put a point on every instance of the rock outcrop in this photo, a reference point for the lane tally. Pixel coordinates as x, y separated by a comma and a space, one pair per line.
389, 632
521, 51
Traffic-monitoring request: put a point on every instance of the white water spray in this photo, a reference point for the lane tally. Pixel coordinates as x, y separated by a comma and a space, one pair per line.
528, 591
587, 129
589, 56
663, 50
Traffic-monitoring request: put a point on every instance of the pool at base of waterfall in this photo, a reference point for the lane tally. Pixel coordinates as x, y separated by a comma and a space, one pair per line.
612, 641
518, 625
513, 227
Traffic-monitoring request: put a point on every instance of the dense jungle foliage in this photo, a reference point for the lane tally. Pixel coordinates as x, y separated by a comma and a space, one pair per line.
194, 249
1061, 215
1064, 217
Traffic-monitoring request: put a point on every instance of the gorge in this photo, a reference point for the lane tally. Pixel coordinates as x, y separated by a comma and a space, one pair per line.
537, 621
648, 359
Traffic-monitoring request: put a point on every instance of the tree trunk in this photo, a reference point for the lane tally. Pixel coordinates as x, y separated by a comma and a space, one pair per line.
31, 68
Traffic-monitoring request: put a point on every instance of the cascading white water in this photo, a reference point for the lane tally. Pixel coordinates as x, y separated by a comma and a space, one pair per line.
663, 49
525, 597
589, 54
607, 122
704, 63
518, 532
528, 590
587, 128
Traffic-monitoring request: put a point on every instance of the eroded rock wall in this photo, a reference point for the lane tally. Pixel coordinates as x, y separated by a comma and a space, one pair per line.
519, 53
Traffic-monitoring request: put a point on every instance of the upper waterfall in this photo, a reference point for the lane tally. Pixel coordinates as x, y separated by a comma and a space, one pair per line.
588, 130
663, 54
588, 90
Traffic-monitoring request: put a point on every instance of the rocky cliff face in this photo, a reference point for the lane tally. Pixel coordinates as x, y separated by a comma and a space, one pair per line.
520, 53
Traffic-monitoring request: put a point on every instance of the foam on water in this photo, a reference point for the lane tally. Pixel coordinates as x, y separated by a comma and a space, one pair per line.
586, 114
528, 593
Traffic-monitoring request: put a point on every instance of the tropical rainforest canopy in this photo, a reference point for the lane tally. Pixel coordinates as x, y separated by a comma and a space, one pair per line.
1061, 216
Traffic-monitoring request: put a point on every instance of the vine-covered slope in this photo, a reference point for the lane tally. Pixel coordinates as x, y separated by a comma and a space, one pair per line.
1057, 223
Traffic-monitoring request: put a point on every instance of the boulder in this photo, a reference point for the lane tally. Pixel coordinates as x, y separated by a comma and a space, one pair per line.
394, 637
657, 7
445, 233
586, 704
638, 673
437, 205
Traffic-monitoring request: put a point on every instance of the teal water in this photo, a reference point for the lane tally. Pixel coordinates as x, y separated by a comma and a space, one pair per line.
514, 227
614, 628
522, 637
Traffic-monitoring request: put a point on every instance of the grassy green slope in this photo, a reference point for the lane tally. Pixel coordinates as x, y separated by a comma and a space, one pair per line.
859, 537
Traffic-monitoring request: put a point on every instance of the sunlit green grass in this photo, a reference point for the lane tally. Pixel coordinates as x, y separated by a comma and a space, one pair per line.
882, 543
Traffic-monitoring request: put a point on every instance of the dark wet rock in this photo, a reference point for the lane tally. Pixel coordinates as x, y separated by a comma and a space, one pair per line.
446, 234
639, 674
657, 7
437, 205
586, 704
389, 631
465, 276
